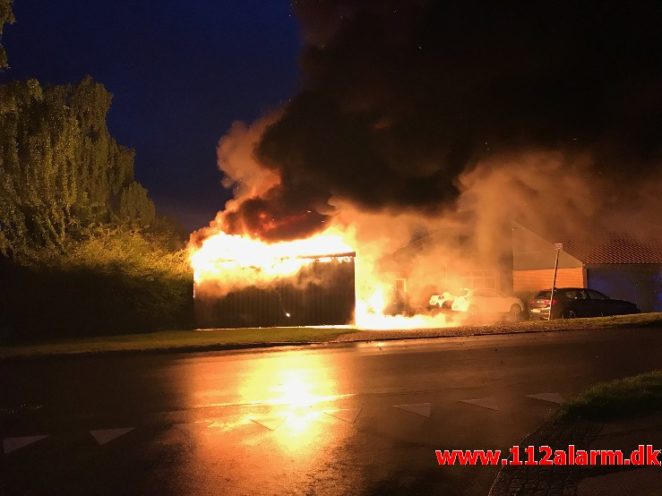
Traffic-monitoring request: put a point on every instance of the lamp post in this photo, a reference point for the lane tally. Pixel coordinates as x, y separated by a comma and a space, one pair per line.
558, 247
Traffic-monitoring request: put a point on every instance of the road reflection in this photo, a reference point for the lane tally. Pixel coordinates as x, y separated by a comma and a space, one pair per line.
299, 389
286, 398
269, 422
291, 381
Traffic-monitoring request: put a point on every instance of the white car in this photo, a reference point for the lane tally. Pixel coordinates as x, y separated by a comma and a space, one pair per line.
443, 300
489, 302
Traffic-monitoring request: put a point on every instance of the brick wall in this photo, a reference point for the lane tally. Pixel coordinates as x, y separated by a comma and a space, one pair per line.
529, 281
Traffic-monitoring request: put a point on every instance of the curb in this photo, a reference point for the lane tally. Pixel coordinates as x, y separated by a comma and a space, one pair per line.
373, 336
548, 481
162, 351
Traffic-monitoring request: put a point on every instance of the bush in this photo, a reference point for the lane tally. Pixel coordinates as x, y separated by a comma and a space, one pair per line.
114, 280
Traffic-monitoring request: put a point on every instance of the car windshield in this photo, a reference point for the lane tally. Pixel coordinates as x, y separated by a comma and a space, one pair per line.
544, 295
596, 295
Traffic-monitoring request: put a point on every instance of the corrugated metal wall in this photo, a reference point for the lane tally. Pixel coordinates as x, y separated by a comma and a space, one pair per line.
320, 294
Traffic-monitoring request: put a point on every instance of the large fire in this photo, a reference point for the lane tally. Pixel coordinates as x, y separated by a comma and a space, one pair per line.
241, 260
233, 261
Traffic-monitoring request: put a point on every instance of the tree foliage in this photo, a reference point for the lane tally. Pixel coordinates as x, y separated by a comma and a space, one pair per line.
60, 169
135, 207
79, 239
6, 17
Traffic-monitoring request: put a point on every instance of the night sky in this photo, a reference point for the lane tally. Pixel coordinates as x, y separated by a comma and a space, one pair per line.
383, 104
180, 73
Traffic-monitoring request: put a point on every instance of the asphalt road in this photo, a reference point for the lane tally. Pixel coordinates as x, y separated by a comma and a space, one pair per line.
357, 419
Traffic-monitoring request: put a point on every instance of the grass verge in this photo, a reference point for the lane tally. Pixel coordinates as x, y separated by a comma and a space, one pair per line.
652, 319
174, 341
623, 398
243, 338
618, 321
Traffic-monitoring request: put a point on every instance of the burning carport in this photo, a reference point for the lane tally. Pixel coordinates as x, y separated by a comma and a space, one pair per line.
236, 286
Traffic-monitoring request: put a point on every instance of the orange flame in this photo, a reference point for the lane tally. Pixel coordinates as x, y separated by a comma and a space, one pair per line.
241, 260
236, 261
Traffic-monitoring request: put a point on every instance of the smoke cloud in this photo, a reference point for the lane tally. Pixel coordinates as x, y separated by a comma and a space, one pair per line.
434, 125
405, 105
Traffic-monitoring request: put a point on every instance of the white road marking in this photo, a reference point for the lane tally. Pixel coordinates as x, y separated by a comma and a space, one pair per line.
104, 436
271, 423
422, 409
347, 414
10, 444
488, 403
549, 397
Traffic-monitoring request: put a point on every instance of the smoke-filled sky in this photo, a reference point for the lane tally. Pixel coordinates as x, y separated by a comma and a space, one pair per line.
396, 105
402, 100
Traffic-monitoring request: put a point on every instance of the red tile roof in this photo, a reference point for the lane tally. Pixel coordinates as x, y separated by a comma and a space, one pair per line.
621, 249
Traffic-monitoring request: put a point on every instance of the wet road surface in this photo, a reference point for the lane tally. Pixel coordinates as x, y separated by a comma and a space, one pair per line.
357, 419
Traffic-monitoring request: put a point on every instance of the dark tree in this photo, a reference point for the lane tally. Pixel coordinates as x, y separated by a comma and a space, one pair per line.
6, 17
60, 169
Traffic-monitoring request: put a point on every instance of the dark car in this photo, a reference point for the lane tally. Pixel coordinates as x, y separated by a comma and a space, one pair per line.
577, 302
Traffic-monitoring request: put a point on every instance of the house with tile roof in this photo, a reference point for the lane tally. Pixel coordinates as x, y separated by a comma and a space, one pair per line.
619, 265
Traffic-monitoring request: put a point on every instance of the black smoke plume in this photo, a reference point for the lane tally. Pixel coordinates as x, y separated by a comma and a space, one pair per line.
402, 97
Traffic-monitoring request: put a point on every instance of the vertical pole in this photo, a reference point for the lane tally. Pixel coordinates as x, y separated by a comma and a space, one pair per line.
558, 247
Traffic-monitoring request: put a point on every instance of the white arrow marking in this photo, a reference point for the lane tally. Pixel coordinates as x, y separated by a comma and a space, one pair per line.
422, 409
14, 443
347, 414
549, 397
271, 423
104, 436
488, 403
